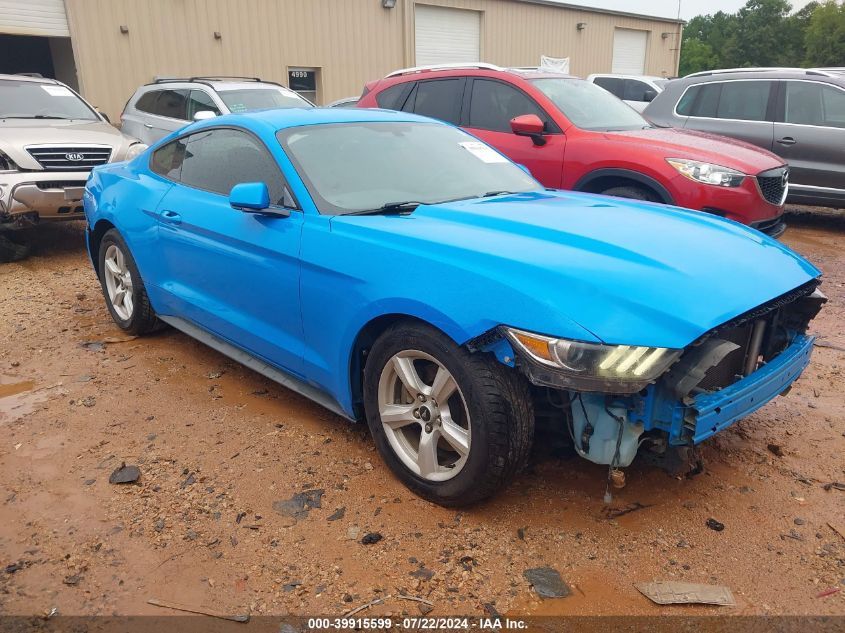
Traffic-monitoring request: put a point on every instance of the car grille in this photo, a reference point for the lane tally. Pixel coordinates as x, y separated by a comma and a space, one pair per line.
70, 158
773, 183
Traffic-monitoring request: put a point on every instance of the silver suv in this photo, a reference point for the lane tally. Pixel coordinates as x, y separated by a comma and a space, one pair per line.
50, 138
798, 114
164, 106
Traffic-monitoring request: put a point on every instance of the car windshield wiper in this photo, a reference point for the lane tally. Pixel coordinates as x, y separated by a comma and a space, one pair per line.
390, 207
490, 194
48, 116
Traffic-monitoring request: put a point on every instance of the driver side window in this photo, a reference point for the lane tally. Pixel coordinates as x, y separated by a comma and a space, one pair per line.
494, 104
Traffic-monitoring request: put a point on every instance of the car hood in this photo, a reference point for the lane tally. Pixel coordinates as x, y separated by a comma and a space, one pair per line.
721, 150
626, 272
16, 134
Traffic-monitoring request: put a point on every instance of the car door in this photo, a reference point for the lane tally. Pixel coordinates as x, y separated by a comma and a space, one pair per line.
740, 109
236, 274
437, 98
635, 92
169, 113
810, 136
488, 110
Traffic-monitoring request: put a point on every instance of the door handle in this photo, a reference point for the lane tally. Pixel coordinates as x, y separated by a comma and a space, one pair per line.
787, 140
171, 217
148, 126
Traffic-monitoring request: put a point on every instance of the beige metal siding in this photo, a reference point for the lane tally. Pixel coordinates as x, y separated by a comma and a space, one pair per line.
349, 41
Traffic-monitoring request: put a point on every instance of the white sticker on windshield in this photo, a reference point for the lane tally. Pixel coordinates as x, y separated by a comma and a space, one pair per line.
483, 152
57, 91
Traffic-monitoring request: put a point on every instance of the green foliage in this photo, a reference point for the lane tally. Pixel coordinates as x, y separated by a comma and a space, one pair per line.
765, 33
824, 37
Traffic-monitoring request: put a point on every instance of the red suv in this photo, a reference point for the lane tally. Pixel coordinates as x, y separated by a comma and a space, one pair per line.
572, 134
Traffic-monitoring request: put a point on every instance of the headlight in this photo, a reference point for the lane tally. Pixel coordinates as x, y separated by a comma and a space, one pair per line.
135, 149
592, 366
707, 172
7, 165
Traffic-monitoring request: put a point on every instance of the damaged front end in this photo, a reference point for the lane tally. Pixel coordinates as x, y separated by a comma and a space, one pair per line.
670, 400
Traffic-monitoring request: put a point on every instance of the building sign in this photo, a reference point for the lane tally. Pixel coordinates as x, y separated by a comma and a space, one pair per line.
302, 80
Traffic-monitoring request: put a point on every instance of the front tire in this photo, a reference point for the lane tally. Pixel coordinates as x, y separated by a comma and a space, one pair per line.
454, 426
124, 291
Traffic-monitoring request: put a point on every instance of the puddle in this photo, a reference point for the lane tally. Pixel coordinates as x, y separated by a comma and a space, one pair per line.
16, 388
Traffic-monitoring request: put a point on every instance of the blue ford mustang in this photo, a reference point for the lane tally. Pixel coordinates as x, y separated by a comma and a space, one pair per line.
396, 269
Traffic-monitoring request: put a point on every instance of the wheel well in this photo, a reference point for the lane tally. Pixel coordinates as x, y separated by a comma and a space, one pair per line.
358, 357
100, 229
603, 182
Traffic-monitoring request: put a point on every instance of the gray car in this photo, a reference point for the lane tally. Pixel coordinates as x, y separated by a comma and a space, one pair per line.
797, 114
168, 104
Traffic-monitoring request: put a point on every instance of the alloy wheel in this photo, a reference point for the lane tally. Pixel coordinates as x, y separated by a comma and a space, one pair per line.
118, 282
424, 415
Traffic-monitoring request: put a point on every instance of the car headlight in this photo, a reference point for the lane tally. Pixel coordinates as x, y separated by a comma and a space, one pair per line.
707, 173
135, 149
592, 366
7, 165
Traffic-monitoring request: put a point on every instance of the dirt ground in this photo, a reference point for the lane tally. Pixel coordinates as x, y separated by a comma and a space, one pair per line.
218, 445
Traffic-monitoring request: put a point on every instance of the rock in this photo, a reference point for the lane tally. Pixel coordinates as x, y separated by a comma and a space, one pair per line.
775, 449
424, 608
88, 401
547, 582
337, 514
190, 481
713, 524
799, 521
288, 587
371, 538
89, 482
125, 474
159, 526
300, 504
11, 569
72, 580
347, 597
422, 573
520, 532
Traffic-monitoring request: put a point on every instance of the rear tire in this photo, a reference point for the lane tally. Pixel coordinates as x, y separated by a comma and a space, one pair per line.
11, 251
631, 191
479, 434
124, 291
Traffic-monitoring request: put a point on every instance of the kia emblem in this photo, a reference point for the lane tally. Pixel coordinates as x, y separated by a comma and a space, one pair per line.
75, 157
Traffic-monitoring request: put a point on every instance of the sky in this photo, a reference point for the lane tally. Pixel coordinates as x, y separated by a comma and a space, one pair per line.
669, 8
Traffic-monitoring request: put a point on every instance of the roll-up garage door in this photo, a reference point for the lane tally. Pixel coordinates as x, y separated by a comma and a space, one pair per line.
445, 36
629, 48
34, 17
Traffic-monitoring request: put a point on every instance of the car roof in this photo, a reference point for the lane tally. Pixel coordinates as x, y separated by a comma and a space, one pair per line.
283, 118
476, 69
217, 83
622, 76
30, 78
762, 73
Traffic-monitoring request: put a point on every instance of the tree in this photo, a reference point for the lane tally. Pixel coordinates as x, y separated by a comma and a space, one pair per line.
824, 37
759, 35
696, 56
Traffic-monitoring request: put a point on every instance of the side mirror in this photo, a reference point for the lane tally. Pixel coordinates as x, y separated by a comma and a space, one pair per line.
204, 115
253, 197
649, 95
529, 125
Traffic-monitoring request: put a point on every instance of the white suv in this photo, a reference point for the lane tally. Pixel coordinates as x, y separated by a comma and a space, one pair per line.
164, 106
635, 90
50, 139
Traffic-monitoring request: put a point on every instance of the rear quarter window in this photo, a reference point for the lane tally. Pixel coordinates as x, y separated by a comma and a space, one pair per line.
147, 101
389, 98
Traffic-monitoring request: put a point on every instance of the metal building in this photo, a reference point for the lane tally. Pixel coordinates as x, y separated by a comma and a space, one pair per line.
327, 49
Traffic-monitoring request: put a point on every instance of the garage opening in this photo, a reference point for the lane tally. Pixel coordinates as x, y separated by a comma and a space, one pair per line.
629, 49
46, 56
446, 36
35, 38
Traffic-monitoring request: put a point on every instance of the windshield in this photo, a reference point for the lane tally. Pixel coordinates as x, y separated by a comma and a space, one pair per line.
33, 100
589, 106
244, 99
354, 167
